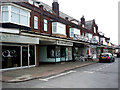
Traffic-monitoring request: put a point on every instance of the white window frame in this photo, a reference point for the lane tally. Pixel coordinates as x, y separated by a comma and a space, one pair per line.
2, 13
58, 26
45, 25
94, 30
35, 20
31, 2
10, 12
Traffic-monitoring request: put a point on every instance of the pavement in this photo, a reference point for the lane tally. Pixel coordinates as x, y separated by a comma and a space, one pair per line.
44, 70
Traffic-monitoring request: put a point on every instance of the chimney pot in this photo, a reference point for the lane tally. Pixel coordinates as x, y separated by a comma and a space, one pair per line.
41, 7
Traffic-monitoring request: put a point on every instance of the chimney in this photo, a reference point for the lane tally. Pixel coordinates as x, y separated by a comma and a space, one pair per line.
83, 20
41, 7
55, 7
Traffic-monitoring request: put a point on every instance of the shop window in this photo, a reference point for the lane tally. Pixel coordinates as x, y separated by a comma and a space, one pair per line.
63, 51
35, 22
10, 56
53, 51
57, 52
45, 25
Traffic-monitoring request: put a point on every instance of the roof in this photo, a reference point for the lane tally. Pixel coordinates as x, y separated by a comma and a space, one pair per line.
88, 24
61, 14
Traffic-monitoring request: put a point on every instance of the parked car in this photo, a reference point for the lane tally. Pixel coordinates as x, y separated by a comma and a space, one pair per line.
106, 57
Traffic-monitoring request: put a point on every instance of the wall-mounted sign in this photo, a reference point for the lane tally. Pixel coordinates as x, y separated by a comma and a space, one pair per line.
82, 38
64, 43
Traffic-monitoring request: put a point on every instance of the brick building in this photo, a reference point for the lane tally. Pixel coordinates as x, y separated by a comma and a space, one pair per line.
33, 32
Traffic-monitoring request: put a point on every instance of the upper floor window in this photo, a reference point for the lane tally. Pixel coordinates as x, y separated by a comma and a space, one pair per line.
83, 25
35, 22
71, 32
15, 15
4, 13
94, 30
45, 24
58, 28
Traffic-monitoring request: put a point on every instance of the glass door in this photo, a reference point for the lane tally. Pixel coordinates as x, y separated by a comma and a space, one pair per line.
31, 55
24, 55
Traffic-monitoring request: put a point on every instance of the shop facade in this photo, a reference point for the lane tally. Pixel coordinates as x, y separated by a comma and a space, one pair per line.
18, 51
58, 51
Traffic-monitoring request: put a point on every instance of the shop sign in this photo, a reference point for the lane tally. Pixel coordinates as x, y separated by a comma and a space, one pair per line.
93, 46
78, 37
64, 43
18, 39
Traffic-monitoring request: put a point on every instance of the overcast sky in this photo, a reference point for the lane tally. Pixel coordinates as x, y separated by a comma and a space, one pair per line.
105, 13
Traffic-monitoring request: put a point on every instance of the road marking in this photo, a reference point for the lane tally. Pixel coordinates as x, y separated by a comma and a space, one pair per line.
46, 79
89, 72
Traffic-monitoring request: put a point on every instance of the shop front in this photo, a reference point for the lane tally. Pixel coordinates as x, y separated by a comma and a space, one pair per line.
18, 51
60, 51
78, 51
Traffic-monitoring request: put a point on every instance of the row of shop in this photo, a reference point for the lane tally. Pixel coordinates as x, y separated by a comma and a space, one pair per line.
19, 51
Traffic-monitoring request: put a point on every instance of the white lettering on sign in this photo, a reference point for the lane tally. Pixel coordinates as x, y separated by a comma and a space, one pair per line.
64, 43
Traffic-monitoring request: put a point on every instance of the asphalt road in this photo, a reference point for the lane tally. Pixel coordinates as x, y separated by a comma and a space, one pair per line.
98, 75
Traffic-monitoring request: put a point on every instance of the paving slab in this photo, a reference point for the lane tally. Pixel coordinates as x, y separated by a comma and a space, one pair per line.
44, 70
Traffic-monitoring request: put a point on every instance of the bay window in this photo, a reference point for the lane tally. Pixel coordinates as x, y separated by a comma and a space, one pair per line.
45, 25
15, 14
4, 13
58, 28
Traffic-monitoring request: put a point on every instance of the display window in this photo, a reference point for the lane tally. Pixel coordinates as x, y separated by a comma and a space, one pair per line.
10, 56
18, 56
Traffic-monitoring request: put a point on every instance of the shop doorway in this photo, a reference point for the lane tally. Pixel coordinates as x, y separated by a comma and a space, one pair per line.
25, 56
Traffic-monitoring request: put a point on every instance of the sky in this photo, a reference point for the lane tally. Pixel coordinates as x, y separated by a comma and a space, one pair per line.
105, 13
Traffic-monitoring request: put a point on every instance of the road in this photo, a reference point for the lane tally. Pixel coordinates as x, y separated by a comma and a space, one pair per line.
98, 75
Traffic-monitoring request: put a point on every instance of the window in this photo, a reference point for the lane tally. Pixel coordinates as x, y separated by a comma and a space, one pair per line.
58, 28
94, 30
83, 25
45, 25
30, 1
53, 51
35, 22
15, 15
54, 28
71, 32
4, 13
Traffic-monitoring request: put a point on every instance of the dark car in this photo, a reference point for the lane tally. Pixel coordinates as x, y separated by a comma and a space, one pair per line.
106, 57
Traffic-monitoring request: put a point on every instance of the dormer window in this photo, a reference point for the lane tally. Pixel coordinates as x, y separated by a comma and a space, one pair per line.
36, 4
31, 2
